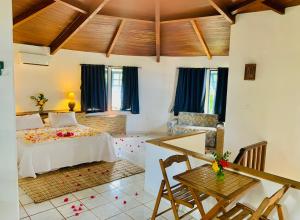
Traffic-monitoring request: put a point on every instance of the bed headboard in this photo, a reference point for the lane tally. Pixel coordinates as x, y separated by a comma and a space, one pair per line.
114, 125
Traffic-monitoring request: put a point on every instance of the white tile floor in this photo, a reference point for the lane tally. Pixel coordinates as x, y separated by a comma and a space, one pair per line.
123, 199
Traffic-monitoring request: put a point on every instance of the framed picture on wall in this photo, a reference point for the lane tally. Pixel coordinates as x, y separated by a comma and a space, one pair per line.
250, 71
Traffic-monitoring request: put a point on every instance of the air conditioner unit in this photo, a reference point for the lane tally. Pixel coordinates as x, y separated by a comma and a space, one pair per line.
34, 59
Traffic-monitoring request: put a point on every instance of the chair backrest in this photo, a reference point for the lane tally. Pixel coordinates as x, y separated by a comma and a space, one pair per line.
197, 119
253, 156
164, 164
268, 204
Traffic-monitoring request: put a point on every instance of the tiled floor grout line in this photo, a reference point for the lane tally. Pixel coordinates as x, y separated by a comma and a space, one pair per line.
115, 187
57, 210
24, 210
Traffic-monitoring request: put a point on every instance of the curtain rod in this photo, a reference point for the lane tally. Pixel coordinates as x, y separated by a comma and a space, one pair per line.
198, 67
111, 65
122, 66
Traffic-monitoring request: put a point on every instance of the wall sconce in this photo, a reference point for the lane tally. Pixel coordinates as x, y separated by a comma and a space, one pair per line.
71, 104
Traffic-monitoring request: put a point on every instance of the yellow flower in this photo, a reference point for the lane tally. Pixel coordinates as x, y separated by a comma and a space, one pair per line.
215, 167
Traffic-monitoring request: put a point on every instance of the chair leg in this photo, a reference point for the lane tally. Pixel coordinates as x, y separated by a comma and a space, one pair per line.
280, 212
175, 210
158, 199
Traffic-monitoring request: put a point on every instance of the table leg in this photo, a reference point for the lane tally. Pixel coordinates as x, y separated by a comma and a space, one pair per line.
198, 203
215, 210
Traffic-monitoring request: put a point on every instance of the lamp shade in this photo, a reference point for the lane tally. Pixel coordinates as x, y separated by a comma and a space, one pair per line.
71, 95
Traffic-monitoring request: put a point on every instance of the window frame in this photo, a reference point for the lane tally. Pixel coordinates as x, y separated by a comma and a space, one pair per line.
108, 76
208, 74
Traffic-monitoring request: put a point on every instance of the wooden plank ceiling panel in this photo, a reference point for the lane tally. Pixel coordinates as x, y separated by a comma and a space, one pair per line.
178, 9
22, 6
138, 9
216, 32
95, 36
43, 28
256, 6
180, 39
136, 38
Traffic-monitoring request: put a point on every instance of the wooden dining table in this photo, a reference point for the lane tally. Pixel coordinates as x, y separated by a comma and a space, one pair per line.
203, 179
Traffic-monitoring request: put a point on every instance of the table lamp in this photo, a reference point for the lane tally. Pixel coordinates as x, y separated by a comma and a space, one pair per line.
71, 104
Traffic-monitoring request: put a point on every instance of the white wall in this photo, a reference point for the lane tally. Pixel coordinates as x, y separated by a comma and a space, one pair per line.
9, 207
269, 107
156, 82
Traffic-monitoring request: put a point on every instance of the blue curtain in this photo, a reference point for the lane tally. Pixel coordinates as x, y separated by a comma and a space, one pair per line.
190, 92
93, 88
130, 90
221, 93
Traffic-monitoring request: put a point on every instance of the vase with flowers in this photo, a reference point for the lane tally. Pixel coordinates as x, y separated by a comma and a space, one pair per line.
220, 162
40, 101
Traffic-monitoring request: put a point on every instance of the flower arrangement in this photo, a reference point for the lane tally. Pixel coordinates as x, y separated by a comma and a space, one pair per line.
40, 101
220, 162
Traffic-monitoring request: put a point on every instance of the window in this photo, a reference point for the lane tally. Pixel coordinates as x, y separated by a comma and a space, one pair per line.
211, 88
114, 82
116, 88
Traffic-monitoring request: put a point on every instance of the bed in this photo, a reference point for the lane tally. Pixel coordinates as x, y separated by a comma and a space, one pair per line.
45, 149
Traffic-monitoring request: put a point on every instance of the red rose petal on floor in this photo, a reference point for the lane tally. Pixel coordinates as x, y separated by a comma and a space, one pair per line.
124, 202
92, 197
66, 199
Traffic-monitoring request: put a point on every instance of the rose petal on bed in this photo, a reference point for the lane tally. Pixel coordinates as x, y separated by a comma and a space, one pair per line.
79, 209
93, 197
75, 210
73, 207
116, 197
124, 202
81, 204
66, 199
76, 214
136, 194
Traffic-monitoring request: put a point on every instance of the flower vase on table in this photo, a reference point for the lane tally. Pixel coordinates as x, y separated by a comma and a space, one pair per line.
40, 101
220, 162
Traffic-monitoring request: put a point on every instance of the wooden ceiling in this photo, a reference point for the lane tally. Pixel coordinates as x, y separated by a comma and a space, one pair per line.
135, 27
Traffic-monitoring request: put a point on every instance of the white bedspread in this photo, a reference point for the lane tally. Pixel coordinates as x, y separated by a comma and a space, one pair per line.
46, 156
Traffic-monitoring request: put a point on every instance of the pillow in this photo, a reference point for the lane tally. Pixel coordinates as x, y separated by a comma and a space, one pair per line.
58, 120
29, 122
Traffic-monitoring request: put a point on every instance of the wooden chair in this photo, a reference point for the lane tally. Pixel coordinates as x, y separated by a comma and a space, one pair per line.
253, 156
241, 211
177, 194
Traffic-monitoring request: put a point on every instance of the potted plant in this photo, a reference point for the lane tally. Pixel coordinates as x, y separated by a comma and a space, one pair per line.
40, 101
220, 162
